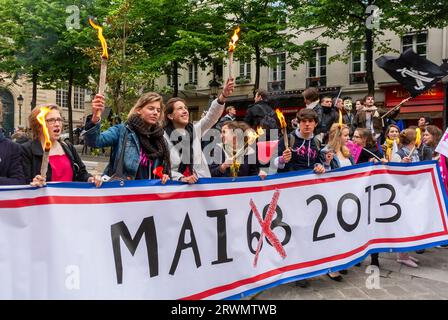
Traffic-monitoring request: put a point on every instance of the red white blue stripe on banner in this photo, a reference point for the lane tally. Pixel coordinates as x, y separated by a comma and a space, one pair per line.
323, 223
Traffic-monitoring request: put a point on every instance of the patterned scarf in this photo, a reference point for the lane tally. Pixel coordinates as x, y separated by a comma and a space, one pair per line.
151, 140
372, 109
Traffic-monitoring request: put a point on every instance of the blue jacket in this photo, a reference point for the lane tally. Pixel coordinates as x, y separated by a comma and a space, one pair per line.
113, 137
11, 171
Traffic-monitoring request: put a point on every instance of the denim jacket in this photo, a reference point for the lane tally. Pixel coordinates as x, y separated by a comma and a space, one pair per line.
113, 137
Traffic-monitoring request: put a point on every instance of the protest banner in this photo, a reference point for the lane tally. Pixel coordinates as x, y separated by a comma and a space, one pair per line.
220, 238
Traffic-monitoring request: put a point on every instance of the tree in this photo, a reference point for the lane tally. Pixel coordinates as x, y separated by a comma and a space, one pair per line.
360, 22
68, 63
174, 32
27, 30
263, 27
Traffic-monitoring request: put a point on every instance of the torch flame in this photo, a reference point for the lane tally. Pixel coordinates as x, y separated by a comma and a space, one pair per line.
105, 55
340, 119
232, 44
41, 119
252, 136
281, 118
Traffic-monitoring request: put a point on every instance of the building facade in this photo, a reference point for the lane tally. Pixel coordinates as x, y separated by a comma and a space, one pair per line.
285, 84
16, 104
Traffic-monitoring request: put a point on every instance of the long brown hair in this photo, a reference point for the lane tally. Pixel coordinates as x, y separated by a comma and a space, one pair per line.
407, 136
366, 137
436, 134
36, 128
170, 108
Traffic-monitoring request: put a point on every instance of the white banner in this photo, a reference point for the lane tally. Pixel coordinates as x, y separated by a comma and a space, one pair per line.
442, 147
147, 241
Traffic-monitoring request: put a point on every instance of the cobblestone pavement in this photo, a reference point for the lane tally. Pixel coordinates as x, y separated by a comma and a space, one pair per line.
396, 282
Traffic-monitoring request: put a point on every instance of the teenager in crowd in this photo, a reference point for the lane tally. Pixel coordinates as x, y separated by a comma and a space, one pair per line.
392, 141
336, 154
145, 155
238, 154
188, 162
431, 138
302, 154
407, 153
370, 153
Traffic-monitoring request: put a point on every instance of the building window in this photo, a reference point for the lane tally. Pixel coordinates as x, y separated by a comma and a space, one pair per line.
317, 68
358, 63
79, 98
277, 72
62, 96
417, 42
170, 80
245, 69
193, 73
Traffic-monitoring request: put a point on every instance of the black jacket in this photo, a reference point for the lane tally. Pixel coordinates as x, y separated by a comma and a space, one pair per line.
257, 112
11, 171
367, 154
327, 116
32, 154
223, 120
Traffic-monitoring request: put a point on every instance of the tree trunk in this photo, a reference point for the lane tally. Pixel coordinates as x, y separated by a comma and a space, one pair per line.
34, 78
257, 67
118, 97
369, 62
69, 105
175, 79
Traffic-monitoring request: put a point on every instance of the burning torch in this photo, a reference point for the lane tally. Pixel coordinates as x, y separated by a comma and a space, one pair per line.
232, 46
41, 119
104, 57
282, 120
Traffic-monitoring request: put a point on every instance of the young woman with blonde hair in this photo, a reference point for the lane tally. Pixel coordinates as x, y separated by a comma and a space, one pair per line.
336, 154
141, 136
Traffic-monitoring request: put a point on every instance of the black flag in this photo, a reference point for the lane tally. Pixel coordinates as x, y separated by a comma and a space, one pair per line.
415, 73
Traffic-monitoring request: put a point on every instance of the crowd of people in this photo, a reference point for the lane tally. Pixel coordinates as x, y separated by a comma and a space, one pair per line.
158, 141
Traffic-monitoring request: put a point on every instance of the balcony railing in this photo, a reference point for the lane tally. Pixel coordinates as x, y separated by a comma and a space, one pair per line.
276, 85
316, 82
357, 77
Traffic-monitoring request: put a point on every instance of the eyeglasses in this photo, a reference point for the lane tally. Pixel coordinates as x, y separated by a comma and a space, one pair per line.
53, 120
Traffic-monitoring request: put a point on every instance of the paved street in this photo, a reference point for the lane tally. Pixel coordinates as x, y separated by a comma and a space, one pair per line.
429, 281
94, 164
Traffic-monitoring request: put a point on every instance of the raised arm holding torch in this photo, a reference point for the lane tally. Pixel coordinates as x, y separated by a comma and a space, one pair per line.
104, 57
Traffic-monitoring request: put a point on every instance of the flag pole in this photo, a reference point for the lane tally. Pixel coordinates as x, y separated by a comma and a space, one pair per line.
396, 107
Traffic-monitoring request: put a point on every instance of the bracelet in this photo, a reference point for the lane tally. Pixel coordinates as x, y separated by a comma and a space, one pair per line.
220, 102
224, 95
281, 160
